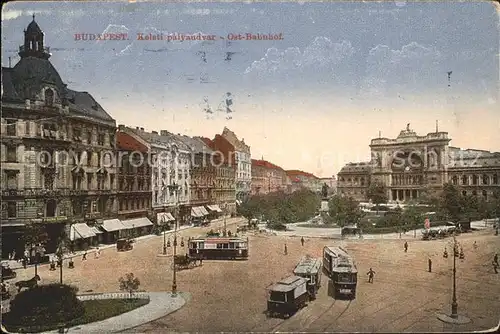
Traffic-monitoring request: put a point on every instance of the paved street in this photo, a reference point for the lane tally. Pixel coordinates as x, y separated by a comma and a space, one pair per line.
231, 295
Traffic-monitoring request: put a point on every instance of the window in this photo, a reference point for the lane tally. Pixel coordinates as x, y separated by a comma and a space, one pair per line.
50, 208
11, 153
474, 193
474, 179
454, 180
495, 179
77, 135
11, 209
11, 176
89, 181
11, 127
464, 193
465, 180
49, 97
111, 181
486, 179
100, 139
77, 207
485, 194
89, 137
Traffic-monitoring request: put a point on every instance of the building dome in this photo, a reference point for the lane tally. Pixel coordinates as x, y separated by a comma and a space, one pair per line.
33, 27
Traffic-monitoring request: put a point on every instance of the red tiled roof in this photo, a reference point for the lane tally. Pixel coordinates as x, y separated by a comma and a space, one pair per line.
294, 172
265, 164
126, 142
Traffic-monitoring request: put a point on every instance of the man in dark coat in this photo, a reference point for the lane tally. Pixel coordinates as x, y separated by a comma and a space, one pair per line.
370, 274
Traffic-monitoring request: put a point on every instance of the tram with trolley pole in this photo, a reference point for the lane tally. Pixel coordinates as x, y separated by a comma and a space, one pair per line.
218, 248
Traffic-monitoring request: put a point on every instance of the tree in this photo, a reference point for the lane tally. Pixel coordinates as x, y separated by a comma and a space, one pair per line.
44, 305
377, 193
129, 283
452, 203
34, 234
411, 216
344, 211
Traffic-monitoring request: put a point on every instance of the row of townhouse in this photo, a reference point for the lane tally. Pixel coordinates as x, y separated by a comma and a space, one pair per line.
67, 167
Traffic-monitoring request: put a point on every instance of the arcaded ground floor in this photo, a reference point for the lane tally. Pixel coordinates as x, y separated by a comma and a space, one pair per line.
231, 295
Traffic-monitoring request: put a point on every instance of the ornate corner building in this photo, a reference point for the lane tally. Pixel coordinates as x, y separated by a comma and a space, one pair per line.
411, 166
57, 149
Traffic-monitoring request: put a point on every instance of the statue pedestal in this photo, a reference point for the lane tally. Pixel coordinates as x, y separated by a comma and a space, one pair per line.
324, 206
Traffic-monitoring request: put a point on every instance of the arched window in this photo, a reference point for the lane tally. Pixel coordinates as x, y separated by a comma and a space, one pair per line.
486, 179
464, 180
49, 97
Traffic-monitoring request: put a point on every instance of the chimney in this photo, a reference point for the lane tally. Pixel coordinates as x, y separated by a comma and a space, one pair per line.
137, 128
154, 132
142, 129
164, 132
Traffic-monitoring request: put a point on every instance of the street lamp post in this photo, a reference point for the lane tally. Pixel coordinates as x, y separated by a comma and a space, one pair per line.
454, 317
454, 304
225, 217
164, 238
174, 188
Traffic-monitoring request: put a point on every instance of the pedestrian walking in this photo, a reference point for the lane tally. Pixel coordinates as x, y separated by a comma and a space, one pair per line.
25, 262
495, 267
286, 250
14, 254
495, 259
430, 265
475, 245
406, 246
84, 257
370, 274
201, 261
97, 253
302, 241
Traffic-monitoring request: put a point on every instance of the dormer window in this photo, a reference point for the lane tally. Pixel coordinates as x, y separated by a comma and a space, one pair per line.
49, 97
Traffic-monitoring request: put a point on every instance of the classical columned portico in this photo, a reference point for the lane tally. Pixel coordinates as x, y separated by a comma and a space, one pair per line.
403, 195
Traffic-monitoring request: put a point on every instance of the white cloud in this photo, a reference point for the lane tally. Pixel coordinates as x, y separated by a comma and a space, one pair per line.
320, 53
15, 13
412, 66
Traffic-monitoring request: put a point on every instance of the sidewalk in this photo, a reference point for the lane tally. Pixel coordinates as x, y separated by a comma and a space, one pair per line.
160, 305
17, 265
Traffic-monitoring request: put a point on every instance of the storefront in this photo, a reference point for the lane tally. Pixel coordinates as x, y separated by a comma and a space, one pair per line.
199, 215
81, 235
137, 227
214, 211
112, 230
164, 220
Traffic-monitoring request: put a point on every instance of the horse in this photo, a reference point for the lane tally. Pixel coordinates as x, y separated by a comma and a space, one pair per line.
31, 283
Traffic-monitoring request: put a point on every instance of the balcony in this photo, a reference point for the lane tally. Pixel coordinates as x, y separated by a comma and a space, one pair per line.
34, 192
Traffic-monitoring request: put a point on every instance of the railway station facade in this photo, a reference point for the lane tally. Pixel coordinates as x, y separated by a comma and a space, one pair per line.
412, 166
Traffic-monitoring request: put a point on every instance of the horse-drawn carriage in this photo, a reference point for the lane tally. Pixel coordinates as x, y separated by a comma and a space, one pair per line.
185, 262
123, 245
7, 272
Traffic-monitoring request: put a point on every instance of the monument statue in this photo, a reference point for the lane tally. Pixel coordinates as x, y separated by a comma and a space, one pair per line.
324, 190
408, 127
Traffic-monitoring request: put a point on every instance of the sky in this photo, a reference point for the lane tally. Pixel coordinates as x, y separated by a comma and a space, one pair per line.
312, 100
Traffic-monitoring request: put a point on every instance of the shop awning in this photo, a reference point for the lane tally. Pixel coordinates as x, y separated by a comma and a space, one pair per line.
96, 230
112, 225
203, 210
164, 217
137, 222
195, 212
81, 231
214, 207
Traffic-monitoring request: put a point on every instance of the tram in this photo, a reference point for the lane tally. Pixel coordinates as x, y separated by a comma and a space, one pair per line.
218, 248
